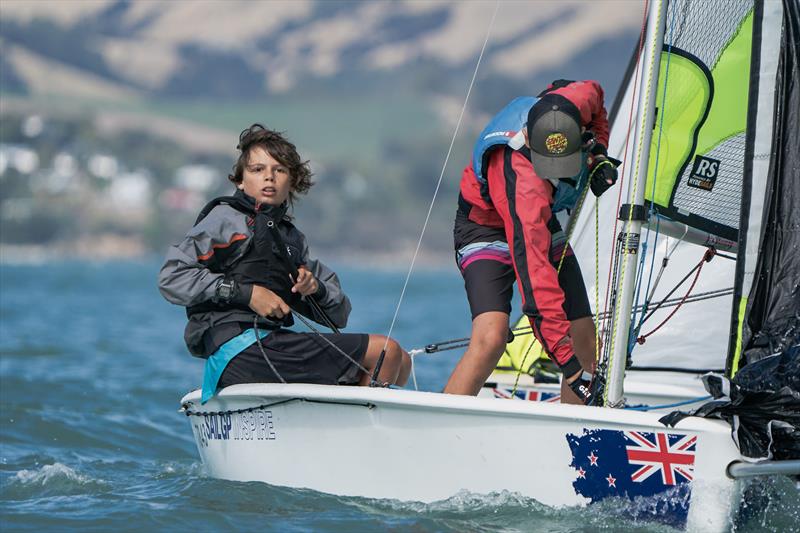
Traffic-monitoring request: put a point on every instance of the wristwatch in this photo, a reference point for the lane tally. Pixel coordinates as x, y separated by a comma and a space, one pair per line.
226, 291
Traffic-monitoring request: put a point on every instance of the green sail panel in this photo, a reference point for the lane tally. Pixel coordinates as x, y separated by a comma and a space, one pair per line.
697, 153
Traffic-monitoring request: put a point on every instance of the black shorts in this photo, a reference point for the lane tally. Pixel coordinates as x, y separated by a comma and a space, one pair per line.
484, 259
299, 358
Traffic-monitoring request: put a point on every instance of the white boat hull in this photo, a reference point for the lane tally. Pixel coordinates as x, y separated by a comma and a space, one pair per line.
419, 446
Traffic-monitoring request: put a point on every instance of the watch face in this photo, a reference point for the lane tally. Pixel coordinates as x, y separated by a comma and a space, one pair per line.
225, 290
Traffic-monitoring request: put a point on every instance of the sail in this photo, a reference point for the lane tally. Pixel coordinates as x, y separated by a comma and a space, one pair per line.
524, 353
712, 130
708, 173
697, 158
767, 315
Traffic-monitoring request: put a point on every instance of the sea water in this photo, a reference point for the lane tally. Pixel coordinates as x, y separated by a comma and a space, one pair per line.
92, 365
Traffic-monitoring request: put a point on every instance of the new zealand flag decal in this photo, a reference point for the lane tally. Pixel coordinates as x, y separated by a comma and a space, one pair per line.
634, 465
530, 395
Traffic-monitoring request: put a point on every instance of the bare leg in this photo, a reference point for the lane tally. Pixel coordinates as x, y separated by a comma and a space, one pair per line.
396, 364
486, 345
583, 339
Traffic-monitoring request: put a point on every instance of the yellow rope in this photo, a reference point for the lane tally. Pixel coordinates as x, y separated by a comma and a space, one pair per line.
596, 282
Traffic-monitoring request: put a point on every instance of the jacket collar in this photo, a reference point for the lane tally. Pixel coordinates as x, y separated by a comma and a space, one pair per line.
275, 212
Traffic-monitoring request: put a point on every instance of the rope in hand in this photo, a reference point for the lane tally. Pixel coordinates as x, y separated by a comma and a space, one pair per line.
319, 334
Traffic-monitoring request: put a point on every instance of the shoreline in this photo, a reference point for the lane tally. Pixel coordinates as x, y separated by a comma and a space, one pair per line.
111, 248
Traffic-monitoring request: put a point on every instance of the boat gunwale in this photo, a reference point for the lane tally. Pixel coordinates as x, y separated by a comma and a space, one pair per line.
265, 393
687, 385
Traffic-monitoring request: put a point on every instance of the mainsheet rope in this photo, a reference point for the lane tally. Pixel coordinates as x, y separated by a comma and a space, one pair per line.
436, 192
321, 335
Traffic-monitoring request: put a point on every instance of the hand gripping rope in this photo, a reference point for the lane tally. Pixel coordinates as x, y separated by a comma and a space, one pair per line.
315, 306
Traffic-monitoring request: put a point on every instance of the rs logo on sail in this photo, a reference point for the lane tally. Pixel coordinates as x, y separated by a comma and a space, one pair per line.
704, 173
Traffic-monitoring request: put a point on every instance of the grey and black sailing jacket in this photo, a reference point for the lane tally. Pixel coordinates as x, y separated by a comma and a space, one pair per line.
233, 239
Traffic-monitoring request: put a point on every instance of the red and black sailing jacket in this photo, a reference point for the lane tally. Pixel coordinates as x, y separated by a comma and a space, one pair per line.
520, 202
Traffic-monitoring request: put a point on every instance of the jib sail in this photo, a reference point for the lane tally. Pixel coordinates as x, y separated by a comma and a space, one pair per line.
766, 314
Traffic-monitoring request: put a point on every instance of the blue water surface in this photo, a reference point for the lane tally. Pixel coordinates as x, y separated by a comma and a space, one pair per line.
92, 365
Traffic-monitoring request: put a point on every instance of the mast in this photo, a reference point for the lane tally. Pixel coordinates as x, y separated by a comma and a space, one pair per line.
632, 214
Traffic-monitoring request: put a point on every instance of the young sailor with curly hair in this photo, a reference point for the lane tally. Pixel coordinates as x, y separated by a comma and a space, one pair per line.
243, 270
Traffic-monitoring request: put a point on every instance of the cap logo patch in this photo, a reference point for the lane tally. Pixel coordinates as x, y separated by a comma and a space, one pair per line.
556, 143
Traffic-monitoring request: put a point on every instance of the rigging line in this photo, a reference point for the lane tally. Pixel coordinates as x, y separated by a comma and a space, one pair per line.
310, 326
522, 365
596, 281
413, 369
635, 80
453, 344
522, 330
662, 114
658, 222
641, 339
441, 175
706, 258
294, 275
692, 271
615, 256
664, 263
263, 352
639, 277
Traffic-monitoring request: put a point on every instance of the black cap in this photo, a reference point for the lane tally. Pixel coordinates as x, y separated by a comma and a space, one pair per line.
554, 134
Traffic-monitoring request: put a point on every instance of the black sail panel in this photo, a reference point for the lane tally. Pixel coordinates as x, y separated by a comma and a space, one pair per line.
769, 320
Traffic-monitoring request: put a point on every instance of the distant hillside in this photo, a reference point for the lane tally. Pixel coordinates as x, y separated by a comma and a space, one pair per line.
250, 49
369, 91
